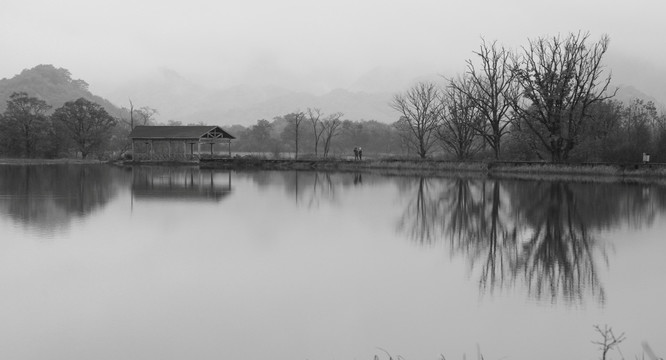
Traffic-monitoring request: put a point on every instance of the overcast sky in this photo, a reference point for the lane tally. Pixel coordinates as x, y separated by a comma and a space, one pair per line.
299, 43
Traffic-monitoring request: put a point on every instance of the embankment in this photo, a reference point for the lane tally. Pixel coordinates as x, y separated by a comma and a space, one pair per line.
495, 168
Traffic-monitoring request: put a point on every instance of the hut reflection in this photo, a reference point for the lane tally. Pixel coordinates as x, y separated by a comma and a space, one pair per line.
180, 183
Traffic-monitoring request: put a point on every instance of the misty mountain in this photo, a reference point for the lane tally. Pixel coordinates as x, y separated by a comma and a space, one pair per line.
179, 99
392, 80
354, 105
176, 98
639, 76
628, 93
53, 85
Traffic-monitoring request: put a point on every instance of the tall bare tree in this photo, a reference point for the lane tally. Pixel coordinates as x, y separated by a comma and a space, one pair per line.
561, 78
131, 114
460, 119
314, 116
421, 109
331, 128
294, 120
492, 89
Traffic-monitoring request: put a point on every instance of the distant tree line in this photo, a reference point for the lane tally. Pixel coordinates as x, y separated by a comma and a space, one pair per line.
315, 134
548, 101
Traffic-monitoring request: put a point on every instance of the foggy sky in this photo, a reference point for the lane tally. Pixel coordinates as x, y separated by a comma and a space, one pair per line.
299, 44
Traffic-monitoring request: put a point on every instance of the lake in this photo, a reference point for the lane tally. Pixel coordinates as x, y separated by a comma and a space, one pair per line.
103, 262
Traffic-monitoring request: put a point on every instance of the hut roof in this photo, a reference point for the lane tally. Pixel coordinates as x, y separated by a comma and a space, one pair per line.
179, 132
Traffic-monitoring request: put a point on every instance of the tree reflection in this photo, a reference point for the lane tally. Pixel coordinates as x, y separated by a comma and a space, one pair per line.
424, 214
48, 197
471, 216
311, 189
482, 228
541, 235
558, 254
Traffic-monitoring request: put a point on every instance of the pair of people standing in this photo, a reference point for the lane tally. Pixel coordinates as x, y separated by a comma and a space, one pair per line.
358, 153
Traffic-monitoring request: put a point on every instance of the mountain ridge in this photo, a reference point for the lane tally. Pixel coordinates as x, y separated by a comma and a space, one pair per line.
53, 85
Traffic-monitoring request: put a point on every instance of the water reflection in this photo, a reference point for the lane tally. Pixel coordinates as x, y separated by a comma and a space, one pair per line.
311, 188
542, 235
179, 183
49, 197
558, 254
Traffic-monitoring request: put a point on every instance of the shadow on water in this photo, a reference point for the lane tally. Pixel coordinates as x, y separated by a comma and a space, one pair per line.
180, 184
49, 197
540, 235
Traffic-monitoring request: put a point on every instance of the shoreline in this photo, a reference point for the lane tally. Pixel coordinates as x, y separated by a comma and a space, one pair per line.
497, 168
19, 161
602, 172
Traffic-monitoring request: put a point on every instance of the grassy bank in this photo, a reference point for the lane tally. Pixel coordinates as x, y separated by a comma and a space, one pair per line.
498, 169
47, 161
516, 169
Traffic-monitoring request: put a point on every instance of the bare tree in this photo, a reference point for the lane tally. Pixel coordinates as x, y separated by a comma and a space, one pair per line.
129, 122
331, 128
608, 340
294, 120
131, 114
492, 90
317, 129
460, 119
146, 115
561, 78
421, 109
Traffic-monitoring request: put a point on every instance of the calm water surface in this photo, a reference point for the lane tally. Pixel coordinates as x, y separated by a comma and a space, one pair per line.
99, 262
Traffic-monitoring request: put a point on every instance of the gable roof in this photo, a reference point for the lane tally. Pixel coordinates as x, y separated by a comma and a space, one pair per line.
179, 132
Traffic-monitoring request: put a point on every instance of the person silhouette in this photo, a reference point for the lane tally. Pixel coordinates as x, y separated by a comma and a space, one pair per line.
355, 153
360, 153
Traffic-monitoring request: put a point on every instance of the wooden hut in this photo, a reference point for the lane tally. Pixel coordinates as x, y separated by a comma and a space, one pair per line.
171, 143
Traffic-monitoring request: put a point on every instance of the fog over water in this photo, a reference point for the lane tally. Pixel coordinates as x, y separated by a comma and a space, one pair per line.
151, 262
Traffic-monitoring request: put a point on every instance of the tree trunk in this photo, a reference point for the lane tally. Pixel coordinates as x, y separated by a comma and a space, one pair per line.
497, 148
422, 152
